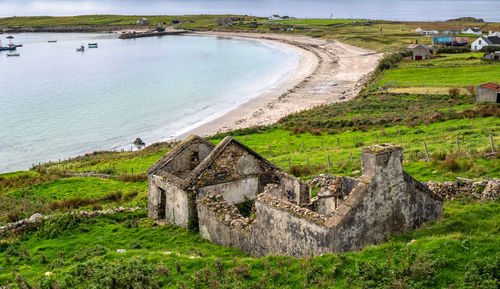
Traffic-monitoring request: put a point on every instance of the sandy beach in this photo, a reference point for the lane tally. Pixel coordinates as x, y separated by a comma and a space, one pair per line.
329, 71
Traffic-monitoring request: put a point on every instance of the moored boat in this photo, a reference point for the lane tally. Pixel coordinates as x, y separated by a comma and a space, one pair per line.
13, 54
52, 41
81, 49
93, 45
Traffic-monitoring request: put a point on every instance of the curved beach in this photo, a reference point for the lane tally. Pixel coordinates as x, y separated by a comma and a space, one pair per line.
329, 71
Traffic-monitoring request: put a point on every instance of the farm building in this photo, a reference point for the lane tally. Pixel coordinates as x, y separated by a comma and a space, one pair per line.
491, 33
430, 32
492, 56
451, 32
489, 92
420, 51
474, 31
142, 21
199, 184
484, 41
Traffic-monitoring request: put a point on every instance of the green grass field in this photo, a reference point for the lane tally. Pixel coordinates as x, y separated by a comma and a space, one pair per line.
441, 76
459, 59
459, 251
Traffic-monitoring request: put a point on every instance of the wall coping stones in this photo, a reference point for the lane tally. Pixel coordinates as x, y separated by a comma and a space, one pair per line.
380, 149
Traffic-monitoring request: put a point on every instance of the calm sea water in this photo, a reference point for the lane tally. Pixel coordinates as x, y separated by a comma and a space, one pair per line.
56, 102
410, 10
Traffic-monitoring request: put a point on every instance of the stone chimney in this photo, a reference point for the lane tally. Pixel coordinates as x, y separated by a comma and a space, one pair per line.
382, 161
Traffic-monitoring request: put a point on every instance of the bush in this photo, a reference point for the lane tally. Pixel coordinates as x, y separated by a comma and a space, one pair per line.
472, 90
454, 92
453, 49
483, 272
489, 49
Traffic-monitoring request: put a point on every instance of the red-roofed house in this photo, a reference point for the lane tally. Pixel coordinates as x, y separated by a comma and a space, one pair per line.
488, 92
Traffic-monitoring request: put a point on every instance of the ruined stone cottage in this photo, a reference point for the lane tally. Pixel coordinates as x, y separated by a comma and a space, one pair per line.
199, 184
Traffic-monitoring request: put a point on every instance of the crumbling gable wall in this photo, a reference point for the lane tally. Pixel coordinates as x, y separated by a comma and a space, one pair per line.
236, 174
186, 159
385, 202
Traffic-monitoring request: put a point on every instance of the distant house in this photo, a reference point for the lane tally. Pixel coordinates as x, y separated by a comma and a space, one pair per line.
418, 29
430, 32
491, 33
489, 92
420, 51
492, 56
237, 18
142, 21
451, 32
484, 41
474, 31
275, 17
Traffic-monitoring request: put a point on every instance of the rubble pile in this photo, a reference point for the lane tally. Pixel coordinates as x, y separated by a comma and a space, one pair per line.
227, 213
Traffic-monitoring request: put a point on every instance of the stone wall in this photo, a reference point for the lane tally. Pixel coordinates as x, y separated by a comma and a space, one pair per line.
221, 223
385, 202
235, 192
179, 208
186, 159
486, 94
283, 228
296, 190
484, 190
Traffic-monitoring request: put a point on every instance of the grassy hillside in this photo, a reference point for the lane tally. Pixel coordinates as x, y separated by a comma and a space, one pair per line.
458, 251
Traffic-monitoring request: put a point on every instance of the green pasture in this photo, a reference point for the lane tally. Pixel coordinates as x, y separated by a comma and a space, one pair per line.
460, 251
441, 76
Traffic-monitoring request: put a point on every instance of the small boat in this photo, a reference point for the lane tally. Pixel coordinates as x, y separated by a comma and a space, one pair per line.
81, 49
52, 41
10, 37
18, 45
13, 54
7, 48
93, 45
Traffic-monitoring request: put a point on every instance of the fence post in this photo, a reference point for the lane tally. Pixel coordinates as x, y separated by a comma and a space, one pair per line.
426, 151
329, 162
303, 147
289, 164
492, 144
472, 124
338, 142
352, 159
377, 137
308, 165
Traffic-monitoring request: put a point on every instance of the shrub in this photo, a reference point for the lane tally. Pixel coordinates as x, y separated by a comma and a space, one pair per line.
454, 92
483, 272
472, 90
453, 49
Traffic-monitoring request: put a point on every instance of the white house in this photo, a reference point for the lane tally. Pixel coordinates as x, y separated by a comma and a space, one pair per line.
485, 41
474, 31
491, 33
275, 17
418, 29
142, 21
451, 32
430, 32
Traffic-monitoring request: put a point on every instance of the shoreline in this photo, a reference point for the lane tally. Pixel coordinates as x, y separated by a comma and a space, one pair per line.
328, 71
